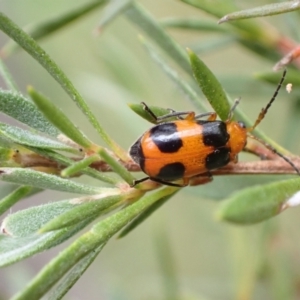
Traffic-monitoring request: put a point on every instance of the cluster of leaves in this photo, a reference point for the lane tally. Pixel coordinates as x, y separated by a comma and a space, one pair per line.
53, 148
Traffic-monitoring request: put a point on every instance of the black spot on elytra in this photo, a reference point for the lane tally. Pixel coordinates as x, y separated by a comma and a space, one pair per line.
136, 153
166, 138
171, 171
214, 133
218, 158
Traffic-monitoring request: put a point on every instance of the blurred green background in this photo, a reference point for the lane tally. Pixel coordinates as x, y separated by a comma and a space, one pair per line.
209, 259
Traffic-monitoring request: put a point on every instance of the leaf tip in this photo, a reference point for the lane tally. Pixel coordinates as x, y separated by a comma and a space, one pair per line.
44, 230
64, 174
293, 201
120, 236
223, 19
219, 216
30, 89
191, 54
130, 105
189, 51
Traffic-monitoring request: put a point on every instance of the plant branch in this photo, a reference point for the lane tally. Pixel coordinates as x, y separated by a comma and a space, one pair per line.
273, 165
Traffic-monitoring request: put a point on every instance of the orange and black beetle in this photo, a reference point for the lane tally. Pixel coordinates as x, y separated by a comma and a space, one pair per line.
187, 147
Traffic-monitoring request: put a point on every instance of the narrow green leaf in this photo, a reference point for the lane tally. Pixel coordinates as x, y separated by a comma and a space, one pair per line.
210, 86
145, 214
258, 203
27, 138
274, 77
113, 10
92, 206
77, 167
144, 21
71, 278
252, 34
10, 83
31, 46
114, 223
58, 118
182, 84
14, 249
46, 181
18, 194
261, 11
28, 221
18, 107
45, 28
216, 8
90, 241
158, 111
116, 166
192, 24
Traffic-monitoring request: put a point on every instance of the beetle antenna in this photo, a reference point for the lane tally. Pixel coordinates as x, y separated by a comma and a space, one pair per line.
265, 110
276, 152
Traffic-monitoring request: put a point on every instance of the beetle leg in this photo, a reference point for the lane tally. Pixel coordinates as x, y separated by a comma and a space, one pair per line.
149, 111
189, 115
135, 182
172, 111
169, 183
201, 179
179, 114
212, 116
185, 182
